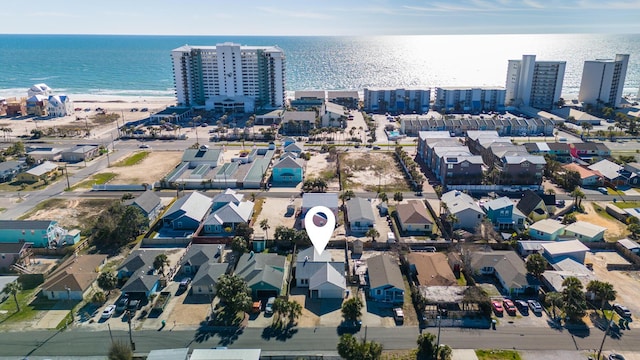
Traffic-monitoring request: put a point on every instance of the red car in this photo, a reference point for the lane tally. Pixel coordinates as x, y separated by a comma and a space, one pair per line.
509, 306
497, 307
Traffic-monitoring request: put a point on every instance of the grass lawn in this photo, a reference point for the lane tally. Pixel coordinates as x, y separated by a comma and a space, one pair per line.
133, 159
627, 204
17, 186
2, 209
610, 191
28, 308
498, 355
602, 212
97, 179
462, 281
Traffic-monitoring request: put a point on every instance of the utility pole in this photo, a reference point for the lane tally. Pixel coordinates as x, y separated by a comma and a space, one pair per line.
66, 173
606, 331
133, 345
110, 334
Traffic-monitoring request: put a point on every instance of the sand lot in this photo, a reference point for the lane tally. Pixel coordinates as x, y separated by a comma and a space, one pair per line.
152, 168
274, 209
319, 167
71, 213
368, 170
615, 229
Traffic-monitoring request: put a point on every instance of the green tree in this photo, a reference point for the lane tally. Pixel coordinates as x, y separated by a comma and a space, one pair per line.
13, 289
603, 291
107, 281
383, 196
289, 310
536, 264
244, 230
578, 195
284, 237
301, 238
350, 348
239, 244
347, 195
569, 218
372, 233
586, 126
554, 299
120, 350
573, 298
99, 298
131, 223
352, 309
444, 352
159, 263
397, 197
234, 292
264, 225
426, 346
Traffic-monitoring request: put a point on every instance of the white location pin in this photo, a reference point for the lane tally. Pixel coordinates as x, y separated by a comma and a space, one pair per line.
319, 224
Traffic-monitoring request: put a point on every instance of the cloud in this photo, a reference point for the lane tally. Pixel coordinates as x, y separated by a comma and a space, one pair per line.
50, 14
294, 14
533, 4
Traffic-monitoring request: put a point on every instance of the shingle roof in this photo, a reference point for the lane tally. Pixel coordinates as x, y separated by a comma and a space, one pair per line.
506, 263
608, 169
139, 259
358, 209
140, 283
584, 172
10, 165
256, 268
413, 212
432, 269
286, 162
458, 201
199, 254
76, 273
327, 274
312, 256
25, 224
383, 270
194, 206
147, 201
228, 196
530, 200
231, 214
12, 248
209, 273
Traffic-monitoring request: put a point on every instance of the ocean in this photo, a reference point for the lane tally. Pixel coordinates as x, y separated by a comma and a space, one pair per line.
141, 65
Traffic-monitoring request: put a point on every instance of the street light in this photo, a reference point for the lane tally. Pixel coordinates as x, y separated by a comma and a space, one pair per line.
211, 298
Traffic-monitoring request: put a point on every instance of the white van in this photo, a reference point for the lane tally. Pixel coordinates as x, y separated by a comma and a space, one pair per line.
391, 237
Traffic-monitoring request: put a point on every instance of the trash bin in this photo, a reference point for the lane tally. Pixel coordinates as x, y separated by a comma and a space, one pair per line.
493, 324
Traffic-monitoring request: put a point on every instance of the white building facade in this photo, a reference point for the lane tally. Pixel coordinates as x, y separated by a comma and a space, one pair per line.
229, 77
532, 83
603, 81
467, 99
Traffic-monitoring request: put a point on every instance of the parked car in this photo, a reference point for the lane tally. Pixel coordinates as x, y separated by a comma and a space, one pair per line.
508, 305
121, 305
257, 306
535, 306
184, 284
108, 311
497, 307
398, 315
622, 310
133, 306
603, 190
144, 146
268, 309
523, 307
615, 357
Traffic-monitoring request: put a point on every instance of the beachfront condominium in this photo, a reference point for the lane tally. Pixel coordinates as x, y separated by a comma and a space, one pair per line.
229, 77
532, 83
603, 81
467, 99
397, 101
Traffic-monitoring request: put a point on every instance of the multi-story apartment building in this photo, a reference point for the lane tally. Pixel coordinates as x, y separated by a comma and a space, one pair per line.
451, 162
603, 81
397, 101
467, 99
534, 83
229, 77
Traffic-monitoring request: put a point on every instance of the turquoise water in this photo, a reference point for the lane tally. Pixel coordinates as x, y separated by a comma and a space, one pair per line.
140, 65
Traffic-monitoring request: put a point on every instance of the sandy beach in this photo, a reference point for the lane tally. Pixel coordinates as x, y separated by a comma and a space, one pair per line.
121, 105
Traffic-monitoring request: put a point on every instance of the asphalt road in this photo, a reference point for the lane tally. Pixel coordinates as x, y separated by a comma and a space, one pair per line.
81, 342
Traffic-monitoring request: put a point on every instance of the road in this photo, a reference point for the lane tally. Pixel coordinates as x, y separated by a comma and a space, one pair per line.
88, 343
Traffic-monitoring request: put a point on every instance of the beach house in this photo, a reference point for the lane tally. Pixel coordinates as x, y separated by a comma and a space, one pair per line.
585, 231
187, 212
413, 217
360, 215
385, 279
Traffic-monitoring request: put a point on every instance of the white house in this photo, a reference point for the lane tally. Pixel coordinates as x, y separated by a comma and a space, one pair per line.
467, 212
560, 250
318, 272
585, 231
546, 229
59, 106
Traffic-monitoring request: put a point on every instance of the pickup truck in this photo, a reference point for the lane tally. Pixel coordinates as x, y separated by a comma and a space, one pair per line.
161, 301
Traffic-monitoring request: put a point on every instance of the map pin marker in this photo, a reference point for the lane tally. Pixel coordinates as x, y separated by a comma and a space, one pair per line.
319, 224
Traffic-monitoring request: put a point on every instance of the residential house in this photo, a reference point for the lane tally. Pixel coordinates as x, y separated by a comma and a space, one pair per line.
508, 268
613, 174
39, 89
503, 214
459, 167
585, 231
360, 215
14, 253
59, 106
533, 206
589, 151
37, 105
630, 245
320, 273
44, 171
148, 203
16, 107
223, 221
287, 171
588, 178
563, 269
138, 261
633, 168
288, 141
141, 285
298, 123
522, 169
528, 247
187, 212
264, 273
431, 269
80, 153
385, 280
310, 200
546, 229
560, 250
73, 279
560, 151
45, 153
9, 169
413, 217
40, 233
229, 196
466, 212
202, 156
294, 147
206, 278
199, 255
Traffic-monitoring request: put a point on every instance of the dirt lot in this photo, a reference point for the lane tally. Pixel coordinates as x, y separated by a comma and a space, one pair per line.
367, 171
152, 168
69, 213
274, 210
319, 166
615, 229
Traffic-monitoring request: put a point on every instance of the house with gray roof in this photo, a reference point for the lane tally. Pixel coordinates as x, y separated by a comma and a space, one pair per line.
585, 231
223, 221
467, 212
264, 273
503, 214
612, 173
310, 200
141, 285
320, 273
360, 215
187, 212
202, 156
413, 217
9, 169
226, 197
385, 279
288, 170
80, 153
207, 276
198, 255
294, 147
139, 261
148, 203
508, 268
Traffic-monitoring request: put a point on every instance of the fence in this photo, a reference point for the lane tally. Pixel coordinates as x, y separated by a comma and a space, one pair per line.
122, 187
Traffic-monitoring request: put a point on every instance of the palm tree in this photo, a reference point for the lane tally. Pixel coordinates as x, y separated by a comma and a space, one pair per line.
373, 234
160, 262
13, 289
555, 300
578, 195
602, 290
264, 225
550, 191
383, 197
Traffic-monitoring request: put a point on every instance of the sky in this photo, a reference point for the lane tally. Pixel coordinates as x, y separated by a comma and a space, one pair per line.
324, 17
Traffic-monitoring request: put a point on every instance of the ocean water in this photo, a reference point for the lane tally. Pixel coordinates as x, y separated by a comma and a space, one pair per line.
141, 66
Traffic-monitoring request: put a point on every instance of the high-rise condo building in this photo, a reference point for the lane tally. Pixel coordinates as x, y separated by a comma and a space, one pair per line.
468, 99
603, 80
229, 77
534, 83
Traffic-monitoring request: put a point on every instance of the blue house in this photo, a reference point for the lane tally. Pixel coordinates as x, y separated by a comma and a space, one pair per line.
385, 279
288, 171
503, 215
187, 212
42, 233
546, 229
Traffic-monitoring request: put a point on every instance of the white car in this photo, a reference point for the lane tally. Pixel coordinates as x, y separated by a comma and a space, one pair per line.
108, 311
145, 146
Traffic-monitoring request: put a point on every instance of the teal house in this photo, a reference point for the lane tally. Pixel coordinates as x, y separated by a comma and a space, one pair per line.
288, 171
264, 273
41, 233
